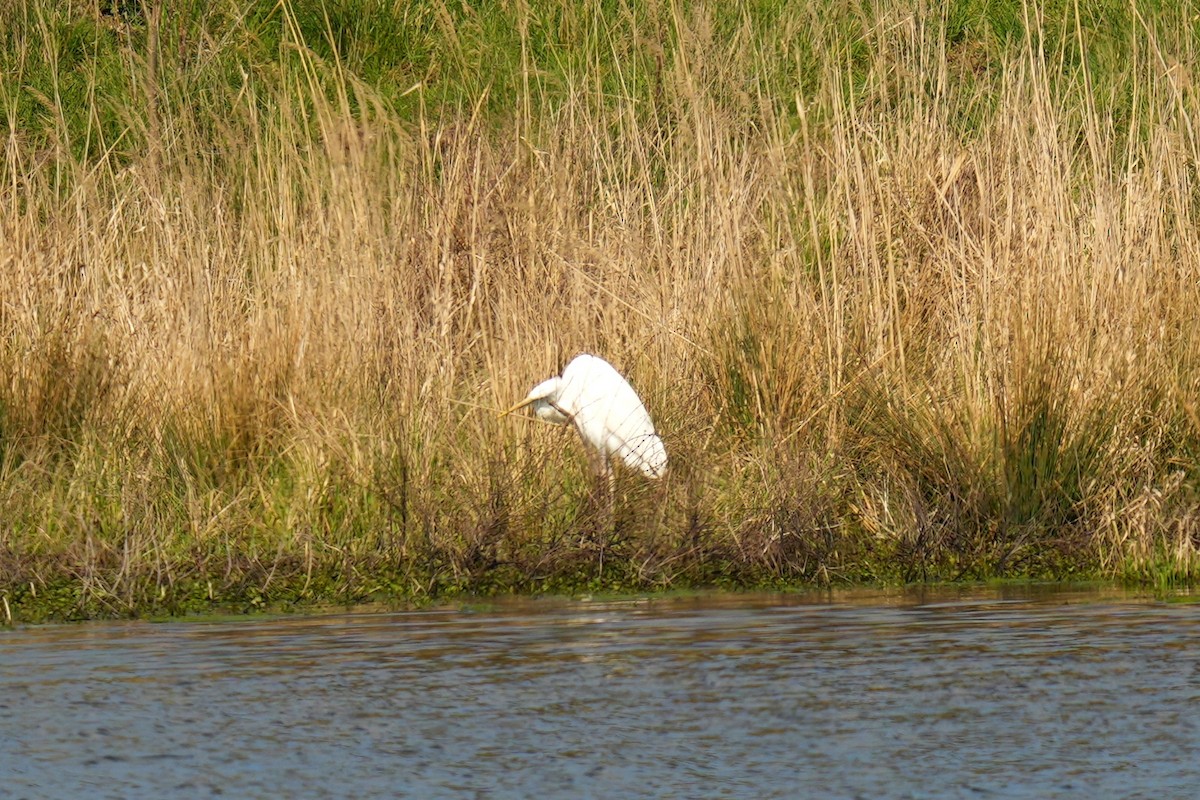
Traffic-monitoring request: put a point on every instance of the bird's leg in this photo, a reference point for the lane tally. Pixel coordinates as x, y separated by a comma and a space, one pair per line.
607, 519
608, 481
604, 494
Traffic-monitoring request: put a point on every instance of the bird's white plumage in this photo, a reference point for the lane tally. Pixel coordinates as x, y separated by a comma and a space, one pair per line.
607, 412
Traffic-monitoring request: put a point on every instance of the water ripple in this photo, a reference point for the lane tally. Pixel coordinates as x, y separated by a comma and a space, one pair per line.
1007, 694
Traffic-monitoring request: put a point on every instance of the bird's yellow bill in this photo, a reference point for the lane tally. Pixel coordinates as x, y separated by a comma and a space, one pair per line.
517, 407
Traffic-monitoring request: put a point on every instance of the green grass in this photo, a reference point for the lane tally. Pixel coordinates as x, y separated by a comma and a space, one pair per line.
79, 79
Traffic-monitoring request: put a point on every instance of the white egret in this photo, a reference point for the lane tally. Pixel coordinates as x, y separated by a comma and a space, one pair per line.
605, 410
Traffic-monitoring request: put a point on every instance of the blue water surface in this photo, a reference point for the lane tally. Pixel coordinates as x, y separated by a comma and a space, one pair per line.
1014, 693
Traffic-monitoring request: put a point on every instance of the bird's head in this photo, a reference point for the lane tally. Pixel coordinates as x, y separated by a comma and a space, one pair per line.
541, 395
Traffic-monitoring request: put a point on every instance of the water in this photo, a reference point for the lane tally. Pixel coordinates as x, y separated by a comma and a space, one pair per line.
962, 694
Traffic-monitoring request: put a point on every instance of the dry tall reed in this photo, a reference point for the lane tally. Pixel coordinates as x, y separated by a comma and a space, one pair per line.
904, 325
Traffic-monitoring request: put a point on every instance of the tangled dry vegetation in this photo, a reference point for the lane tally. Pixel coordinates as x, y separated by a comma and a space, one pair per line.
925, 310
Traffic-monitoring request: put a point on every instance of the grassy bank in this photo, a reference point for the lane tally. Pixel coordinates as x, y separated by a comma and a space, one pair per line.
910, 292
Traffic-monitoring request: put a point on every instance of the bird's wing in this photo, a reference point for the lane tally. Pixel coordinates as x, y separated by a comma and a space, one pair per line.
611, 417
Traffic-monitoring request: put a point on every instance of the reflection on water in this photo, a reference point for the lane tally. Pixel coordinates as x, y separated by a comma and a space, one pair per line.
984, 694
